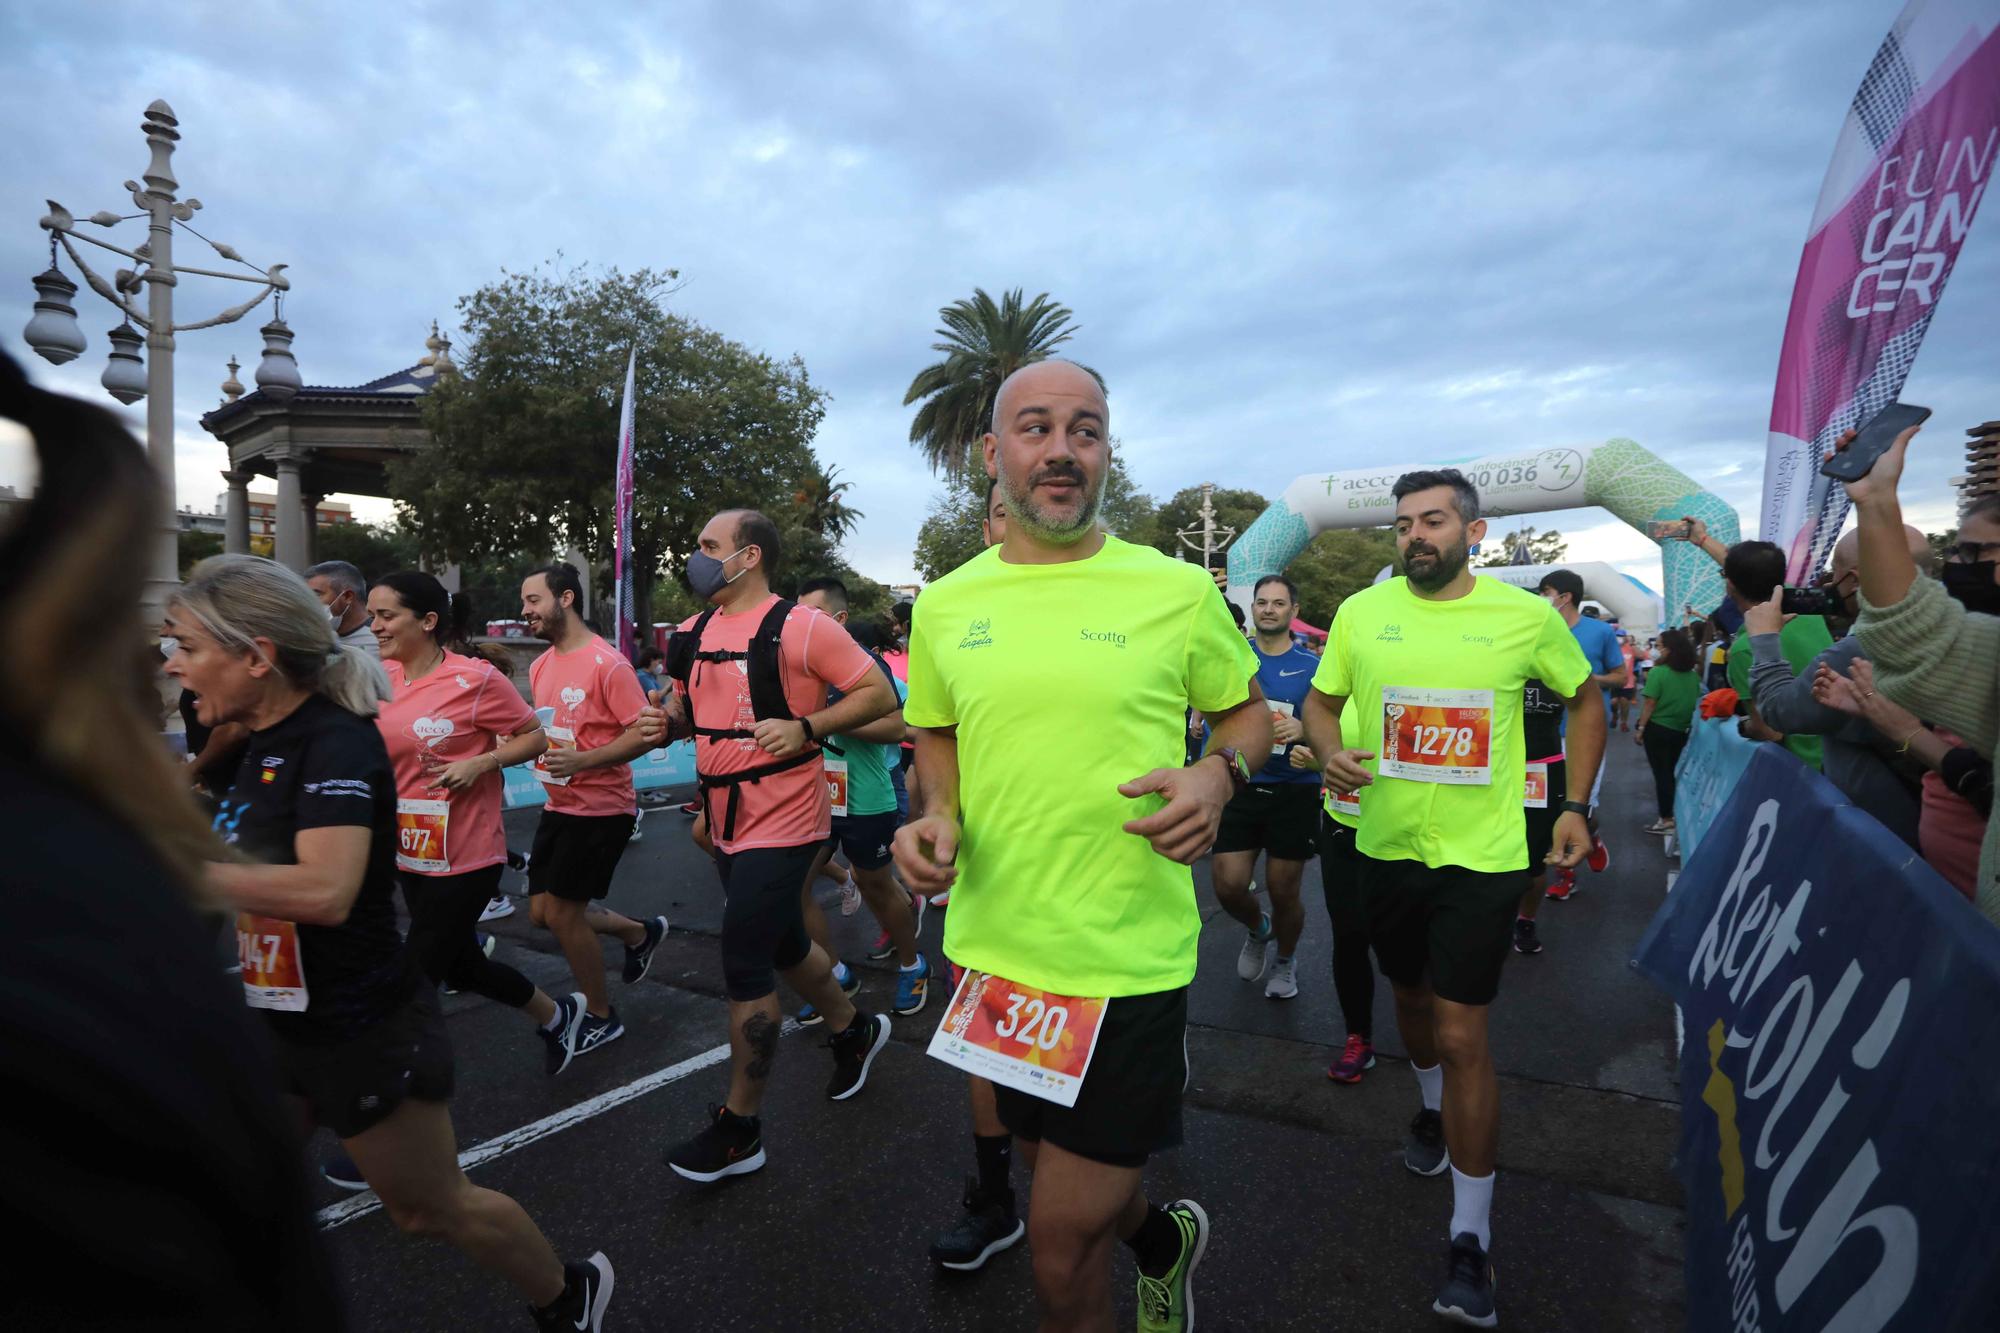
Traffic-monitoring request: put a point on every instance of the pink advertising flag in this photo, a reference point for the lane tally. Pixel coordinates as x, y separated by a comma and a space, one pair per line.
1912, 162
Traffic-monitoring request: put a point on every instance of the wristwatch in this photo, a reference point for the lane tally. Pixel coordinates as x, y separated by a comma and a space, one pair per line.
1576, 808
1239, 767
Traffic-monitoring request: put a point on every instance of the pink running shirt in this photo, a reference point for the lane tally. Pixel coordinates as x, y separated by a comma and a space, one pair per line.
455, 712
595, 694
786, 809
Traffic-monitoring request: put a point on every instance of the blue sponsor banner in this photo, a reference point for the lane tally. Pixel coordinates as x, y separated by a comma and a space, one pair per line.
1840, 1074
1713, 761
672, 766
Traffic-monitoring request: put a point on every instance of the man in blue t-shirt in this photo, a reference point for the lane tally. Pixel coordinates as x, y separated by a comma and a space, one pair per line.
1563, 589
1278, 813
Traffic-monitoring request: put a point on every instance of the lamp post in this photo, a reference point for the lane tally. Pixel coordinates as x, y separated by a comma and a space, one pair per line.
53, 332
1210, 538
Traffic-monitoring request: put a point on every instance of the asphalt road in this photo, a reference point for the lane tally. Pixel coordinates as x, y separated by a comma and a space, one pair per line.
1316, 1224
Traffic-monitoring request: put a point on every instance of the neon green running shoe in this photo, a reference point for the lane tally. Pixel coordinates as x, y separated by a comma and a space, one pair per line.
1166, 1304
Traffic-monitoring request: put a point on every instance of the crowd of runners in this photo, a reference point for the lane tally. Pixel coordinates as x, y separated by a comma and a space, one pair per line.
1014, 753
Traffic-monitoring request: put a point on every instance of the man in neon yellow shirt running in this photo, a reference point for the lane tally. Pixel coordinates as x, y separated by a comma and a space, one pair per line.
1436, 661
1048, 680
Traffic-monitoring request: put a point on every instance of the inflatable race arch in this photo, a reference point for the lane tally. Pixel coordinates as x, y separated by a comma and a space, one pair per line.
1617, 475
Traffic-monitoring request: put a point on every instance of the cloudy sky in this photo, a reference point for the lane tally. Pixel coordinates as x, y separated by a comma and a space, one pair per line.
1295, 238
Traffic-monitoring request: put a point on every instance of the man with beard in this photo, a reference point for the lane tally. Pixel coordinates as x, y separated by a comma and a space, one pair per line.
1048, 679
590, 699
1437, 661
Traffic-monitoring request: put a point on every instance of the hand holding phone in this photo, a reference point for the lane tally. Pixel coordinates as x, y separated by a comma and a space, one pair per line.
1674, 530
1853, 458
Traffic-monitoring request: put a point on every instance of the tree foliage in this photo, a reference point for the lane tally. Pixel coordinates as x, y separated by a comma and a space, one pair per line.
195, 546
525, 444
984, 342
1542, 548
373, 548
1336, 566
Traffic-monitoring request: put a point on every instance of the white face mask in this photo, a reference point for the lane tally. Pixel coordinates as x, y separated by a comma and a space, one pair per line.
169, 646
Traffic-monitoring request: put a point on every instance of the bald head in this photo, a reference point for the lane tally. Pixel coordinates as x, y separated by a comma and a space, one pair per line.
1846, 555
1042, 384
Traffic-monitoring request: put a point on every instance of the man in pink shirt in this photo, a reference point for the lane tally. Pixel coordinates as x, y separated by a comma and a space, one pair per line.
750, 683
589, 699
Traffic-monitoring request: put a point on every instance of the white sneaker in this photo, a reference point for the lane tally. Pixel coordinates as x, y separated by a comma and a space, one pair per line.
1284, 982
498, 906
850, 896
1259, 946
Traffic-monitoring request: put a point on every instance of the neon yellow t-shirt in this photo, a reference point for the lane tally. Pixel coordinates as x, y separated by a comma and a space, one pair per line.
1065, 681
1448, 676
1341, 809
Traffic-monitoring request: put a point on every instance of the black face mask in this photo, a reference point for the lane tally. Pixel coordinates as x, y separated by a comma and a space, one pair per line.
1973, 586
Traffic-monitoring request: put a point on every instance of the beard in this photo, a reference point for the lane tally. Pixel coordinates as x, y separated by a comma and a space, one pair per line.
1439, 566
553, 626
1048, 524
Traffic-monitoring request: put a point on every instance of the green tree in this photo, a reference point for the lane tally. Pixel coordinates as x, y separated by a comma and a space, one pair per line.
1337, 565
983, 343
1543, 548
373, 548
525, 440
1233, 508
1941, 544
196, 547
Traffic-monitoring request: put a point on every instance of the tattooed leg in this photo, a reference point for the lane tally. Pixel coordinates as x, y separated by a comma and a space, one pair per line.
753, 1049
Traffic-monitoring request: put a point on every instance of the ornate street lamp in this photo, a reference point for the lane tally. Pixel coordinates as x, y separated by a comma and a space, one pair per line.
54, 334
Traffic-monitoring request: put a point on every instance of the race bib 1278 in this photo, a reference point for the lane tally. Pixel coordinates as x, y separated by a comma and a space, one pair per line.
1437, 735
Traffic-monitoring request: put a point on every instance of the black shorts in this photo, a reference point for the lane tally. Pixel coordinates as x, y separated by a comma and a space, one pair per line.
352, 1085
1623, 693
1542, 823
1129, 1106
1275, 817
1449, 925
575, 855
763, 916
864, 839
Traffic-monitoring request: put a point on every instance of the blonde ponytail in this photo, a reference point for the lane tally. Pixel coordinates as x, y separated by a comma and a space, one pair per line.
242, 598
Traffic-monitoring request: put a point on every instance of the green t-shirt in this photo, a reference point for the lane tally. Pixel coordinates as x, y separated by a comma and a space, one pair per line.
1801, 640
1341, 809
1447, 788
1674, 694
1065, 681
870, 790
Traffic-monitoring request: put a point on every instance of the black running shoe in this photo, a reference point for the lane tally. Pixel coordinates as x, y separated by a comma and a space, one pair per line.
853, 1051
341, 1172
988, 1227
1525, 938
1424, 1151
1467, 1297
580, 1308
728, 1145
593, 1032
561, 1039
640, 960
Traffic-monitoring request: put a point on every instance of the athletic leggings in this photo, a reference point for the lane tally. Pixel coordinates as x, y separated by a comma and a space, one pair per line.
1663, 751
444, 909
1353, 972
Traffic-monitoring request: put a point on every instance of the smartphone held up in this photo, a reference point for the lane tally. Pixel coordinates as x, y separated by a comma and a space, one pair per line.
1872, 440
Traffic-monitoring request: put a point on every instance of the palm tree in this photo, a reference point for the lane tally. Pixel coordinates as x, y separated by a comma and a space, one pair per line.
823, 506
984, 343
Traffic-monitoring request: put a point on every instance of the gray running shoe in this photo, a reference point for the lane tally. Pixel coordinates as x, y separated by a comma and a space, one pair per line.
1467, 1297
1284, 982
1424, 1151
1258, 946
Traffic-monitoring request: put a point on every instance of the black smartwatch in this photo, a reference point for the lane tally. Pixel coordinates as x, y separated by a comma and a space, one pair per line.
806, 722
1576, 808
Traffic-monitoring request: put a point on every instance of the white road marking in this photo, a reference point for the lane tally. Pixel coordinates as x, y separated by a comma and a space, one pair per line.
360, 1205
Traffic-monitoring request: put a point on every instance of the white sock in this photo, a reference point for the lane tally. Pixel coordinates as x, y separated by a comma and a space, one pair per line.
1431, 1083
913, 967
1471, 1200
840, 973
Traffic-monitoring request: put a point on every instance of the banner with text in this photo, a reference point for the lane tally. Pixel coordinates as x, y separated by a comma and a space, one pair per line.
1841, 1067
1912, 161
1714, 758
671, 766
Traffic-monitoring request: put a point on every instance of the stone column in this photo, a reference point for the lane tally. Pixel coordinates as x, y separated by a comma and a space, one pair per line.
291, 546
309, 505
236, 514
